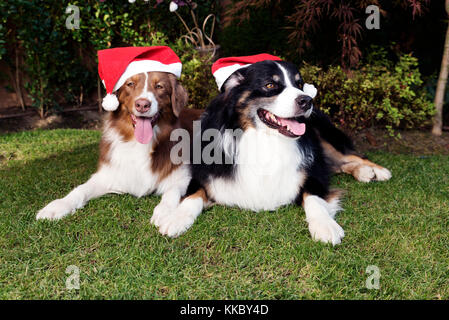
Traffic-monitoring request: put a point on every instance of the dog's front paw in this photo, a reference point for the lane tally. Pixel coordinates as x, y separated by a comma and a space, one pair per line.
364, 173
368, 173
326, 230
382, 174
55, 210
176, 224
161, 211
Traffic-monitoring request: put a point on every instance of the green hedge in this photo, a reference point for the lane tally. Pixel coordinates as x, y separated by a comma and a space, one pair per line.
381, 93
60, 64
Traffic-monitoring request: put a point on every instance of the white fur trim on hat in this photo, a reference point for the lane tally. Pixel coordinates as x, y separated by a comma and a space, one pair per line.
140, 66
310, 90
222, 74
110, 102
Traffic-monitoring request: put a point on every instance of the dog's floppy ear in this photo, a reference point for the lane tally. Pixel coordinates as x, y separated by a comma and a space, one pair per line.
179, 96
234, 80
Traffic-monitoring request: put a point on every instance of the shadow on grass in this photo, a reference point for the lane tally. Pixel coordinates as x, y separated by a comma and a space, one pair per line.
32, 183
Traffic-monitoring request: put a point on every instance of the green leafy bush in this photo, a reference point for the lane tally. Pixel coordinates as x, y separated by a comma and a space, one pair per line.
380, 93
196, 75
54, 69
60, 63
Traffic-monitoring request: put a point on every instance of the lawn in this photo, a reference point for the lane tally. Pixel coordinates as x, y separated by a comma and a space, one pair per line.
400, 226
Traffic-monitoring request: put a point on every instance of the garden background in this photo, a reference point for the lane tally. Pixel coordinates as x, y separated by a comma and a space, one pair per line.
378, 85
380, 77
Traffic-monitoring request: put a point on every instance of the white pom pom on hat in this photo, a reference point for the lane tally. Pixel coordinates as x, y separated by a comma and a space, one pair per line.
310, 90
110, 102
118, 64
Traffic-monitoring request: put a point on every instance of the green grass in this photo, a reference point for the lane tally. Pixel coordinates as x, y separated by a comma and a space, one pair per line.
401, 226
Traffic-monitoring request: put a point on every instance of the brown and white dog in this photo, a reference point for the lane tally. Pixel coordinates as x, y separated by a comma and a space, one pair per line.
151, 106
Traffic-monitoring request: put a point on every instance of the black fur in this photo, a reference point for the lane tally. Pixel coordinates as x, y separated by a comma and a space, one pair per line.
328, 132
225, 111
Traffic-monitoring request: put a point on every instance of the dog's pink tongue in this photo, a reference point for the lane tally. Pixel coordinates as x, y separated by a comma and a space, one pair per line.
296, 127
143, 130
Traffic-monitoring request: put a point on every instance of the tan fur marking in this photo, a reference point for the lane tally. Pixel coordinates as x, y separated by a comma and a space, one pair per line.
350, 164
334, 194
243, 98
332, 154
244, 111
304, 196
201, 193
354, 158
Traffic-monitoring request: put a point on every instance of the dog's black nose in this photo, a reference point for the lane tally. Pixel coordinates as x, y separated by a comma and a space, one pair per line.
304, 102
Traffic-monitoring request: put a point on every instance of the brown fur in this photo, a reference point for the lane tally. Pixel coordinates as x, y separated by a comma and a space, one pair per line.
334, 194
304, 196
161, 154
104, 152
244, 111
350, 164
200, 193
121, 118
172, 99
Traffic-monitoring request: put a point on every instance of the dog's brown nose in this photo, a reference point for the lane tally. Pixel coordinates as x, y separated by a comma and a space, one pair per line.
143, 105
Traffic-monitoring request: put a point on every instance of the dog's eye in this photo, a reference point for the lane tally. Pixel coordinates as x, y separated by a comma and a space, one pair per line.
270, 85
130, 84
159, 86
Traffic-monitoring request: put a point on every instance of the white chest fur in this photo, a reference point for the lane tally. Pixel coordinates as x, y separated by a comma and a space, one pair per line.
128, 168
267, 174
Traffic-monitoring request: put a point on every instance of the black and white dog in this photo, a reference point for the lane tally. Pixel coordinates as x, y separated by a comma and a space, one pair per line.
275, 149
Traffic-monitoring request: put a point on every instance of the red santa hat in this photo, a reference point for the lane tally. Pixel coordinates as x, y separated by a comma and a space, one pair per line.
118, 64
224, 67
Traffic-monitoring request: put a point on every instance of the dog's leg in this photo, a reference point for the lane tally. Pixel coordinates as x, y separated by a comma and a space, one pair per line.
95, 187
364, 170
361, 169
341, 154
185, 214
169, 202
320, 217
172, 190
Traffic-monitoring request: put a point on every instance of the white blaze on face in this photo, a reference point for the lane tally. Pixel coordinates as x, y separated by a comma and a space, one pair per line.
147, 94
143, 128
284, 105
